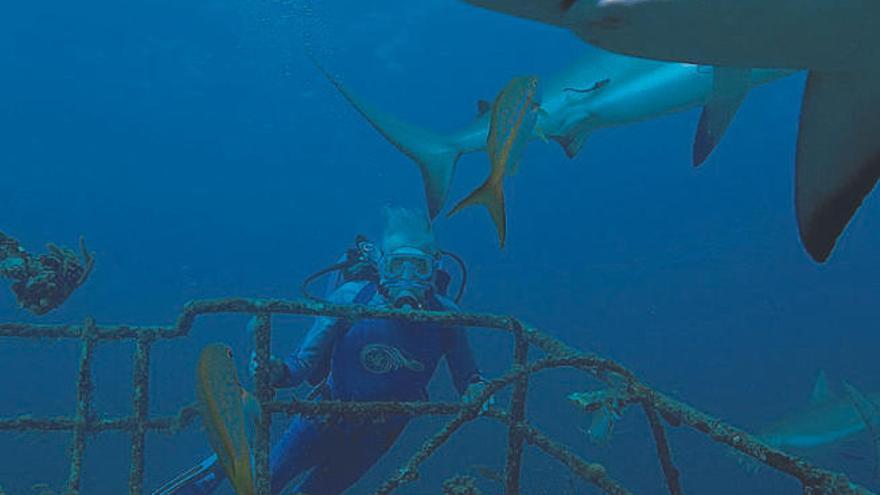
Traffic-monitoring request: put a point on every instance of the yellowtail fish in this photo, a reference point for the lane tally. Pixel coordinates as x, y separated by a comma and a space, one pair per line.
222, 402
514, 115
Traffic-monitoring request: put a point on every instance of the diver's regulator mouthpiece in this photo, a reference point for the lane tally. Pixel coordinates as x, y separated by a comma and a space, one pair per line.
407, 301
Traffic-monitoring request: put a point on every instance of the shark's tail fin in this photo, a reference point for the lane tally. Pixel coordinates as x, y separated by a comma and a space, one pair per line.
435, 154
490, 195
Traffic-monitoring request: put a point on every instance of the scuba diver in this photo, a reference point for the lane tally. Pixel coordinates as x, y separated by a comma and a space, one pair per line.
368, 360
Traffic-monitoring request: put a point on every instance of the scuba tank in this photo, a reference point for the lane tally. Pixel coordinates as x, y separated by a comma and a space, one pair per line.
361, 263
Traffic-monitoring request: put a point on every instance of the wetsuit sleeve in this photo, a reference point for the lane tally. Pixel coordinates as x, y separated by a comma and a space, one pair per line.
460, 358
318, 343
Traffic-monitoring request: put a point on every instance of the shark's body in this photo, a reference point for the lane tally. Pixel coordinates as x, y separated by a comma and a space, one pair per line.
817, 426
601, 90
825, 422
838, 150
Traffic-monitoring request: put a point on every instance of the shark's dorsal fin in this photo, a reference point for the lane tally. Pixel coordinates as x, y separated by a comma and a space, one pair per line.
483, 107
821, 391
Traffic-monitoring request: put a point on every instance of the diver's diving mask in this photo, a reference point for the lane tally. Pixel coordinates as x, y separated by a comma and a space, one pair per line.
407, 276
408, 263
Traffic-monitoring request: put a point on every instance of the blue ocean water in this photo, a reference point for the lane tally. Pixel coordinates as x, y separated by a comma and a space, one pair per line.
202, 155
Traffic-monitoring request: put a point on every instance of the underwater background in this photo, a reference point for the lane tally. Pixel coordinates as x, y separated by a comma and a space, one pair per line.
202, 155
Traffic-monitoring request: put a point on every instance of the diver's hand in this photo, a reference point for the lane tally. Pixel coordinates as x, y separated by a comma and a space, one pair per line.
277, 369
473, 391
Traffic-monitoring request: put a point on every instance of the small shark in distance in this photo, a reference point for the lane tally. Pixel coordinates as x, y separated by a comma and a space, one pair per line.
599, 91
826, 421
837, 41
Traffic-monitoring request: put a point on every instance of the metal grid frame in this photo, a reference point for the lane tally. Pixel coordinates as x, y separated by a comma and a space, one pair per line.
555, 355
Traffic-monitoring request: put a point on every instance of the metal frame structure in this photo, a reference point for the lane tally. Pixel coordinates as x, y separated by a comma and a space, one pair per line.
657, 406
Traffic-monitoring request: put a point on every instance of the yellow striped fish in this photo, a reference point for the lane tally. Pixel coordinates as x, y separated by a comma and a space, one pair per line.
222, 402
514, 115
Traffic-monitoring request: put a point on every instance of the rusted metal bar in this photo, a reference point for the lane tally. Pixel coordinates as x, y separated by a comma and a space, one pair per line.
26, 422
83, 407
316, 308
265, 394
140, 402
109, 332
589, 471
466, 413
513, 464
363, 409
808, 474
812, 477
558, 354
188, 414
409, 472
663, 452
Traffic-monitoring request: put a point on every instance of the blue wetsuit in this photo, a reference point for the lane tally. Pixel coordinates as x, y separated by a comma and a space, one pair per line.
368, 360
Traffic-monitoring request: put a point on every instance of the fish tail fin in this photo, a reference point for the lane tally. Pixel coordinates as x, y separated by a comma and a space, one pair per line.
435, 154
490, 195
243, 478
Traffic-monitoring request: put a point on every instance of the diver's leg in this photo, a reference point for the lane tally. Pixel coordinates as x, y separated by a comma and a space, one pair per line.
303, 445
201, 479
353, 454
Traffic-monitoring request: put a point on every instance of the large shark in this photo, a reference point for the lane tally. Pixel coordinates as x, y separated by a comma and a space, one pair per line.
601, 90
838, 150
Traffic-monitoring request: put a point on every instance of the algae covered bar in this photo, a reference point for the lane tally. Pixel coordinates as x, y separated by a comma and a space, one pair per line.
627, 390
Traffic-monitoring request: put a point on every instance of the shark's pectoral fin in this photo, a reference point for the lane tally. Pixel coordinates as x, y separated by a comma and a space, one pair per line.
435, 155
573, 140
729, 89
838, 154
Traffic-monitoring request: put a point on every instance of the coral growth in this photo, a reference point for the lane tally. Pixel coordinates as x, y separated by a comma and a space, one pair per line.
42, 283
